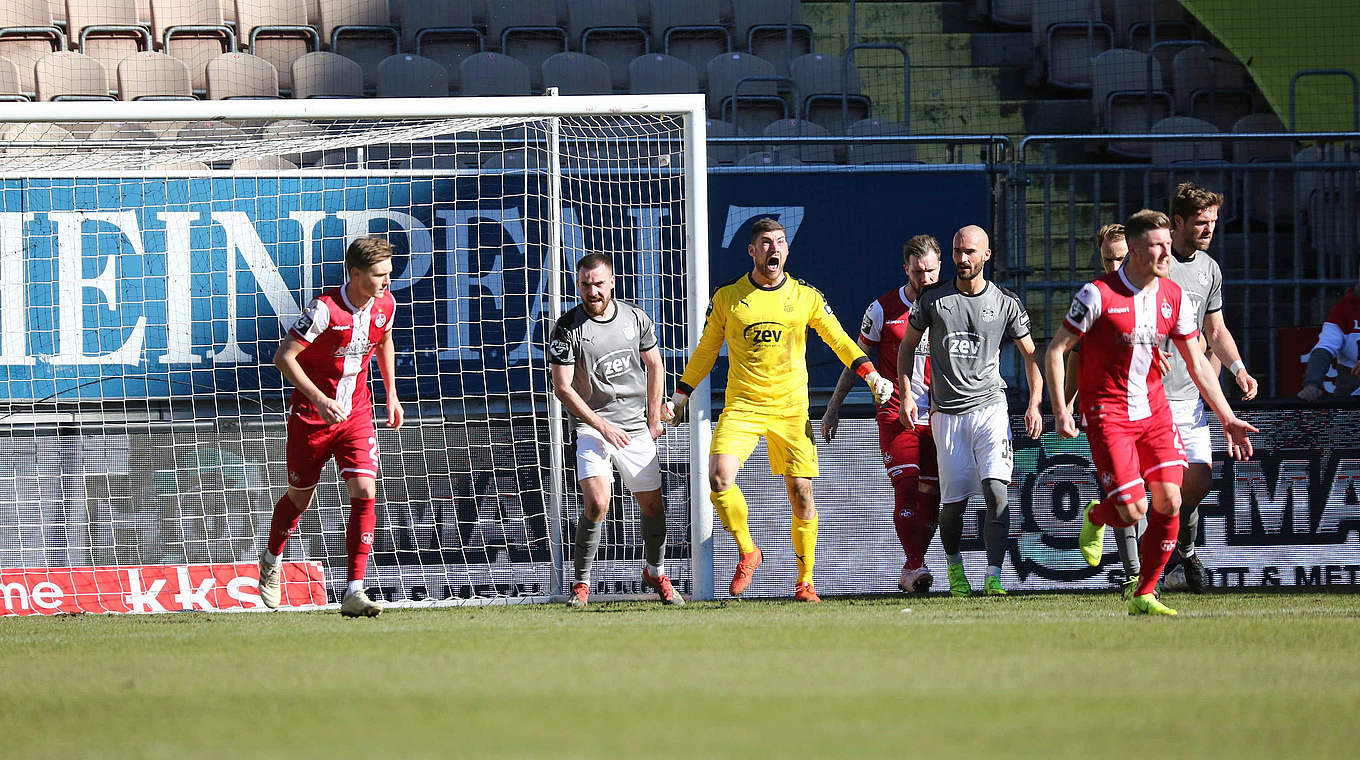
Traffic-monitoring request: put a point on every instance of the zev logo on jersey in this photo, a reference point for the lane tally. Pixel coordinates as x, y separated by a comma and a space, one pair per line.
963, 344
762, 334
613, 364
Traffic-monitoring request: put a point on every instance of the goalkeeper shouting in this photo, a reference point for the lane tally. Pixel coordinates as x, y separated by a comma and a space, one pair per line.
764, 317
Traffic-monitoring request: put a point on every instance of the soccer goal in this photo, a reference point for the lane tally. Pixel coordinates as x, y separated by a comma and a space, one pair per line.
153, 254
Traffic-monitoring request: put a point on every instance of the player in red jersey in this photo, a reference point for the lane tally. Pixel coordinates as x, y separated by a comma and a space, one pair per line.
326, 356
1338, 342
1123, 317
909, 455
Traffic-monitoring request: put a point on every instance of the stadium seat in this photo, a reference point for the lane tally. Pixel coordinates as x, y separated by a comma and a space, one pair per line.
1068, 34
757, 103
1132, 21
1211, 85
609, 30
1252, 150
1012, 13
27, 33
327, 75
71, 76
154, 76
691, 30
819, 80
1119, 93
660, 73
240, 75
879, 153
577, 74
362, 31
494, 74
773, 30
263, 163
719, 154
1267, 194
768, 158
278, 32
808, 154
106, 30
528, 31
195, 33
442, 31
10, 89
1186, 151
411, 76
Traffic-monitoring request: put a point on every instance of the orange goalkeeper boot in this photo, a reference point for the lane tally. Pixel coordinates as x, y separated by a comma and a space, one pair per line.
745, 568
803, 592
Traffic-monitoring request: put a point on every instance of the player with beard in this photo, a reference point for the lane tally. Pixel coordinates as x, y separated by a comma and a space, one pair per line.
763, 317
908, 455
607, 372
968, 318
1122, 319
1194, 217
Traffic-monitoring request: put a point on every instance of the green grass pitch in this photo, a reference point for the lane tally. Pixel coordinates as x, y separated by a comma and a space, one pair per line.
1045, 676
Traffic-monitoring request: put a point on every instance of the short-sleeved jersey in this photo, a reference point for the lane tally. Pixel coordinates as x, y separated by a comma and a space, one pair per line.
607, 355
885, 322
1121, 328
1201, 280
1340, 334
340, 340
966, 331
765, 329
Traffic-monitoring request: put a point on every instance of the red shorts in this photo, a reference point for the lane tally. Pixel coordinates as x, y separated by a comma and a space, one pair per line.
1129, 454
353, 443
908, 452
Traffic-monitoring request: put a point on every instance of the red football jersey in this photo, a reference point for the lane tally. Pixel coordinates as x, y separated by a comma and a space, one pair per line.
340, 340
1122, 328
885, 322
1340, 334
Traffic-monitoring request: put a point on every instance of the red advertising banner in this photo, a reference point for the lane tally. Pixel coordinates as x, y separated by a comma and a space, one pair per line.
152, 588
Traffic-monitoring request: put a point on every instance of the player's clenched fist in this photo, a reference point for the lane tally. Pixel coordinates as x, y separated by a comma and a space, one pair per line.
672, 409
881, 386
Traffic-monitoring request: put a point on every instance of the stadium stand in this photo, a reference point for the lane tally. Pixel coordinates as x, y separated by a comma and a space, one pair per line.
528, 31
106, 30
820, 81
154, 76
10, 89
1013, 13
326, 75
878, 153
693, 31
442, 31
771, 29
362, 31
743, 89
1123, 96
195, 33
1068, 34
264, 163
1133, 22
659, 73
1211, 85
806, 153
241, 75
71, 76
577, 74
1182, 152
609, 30
494, 74
411, 76
720, 154
276, 31
27, 33
768, 158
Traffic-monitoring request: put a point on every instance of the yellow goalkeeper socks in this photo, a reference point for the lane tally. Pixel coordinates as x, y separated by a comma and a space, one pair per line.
731, 506
804, 534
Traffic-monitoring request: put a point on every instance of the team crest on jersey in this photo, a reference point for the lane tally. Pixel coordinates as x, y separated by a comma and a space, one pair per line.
789, 306
1202, 276
1166, 309
379, 320
988, 314
1107, 480
628, 332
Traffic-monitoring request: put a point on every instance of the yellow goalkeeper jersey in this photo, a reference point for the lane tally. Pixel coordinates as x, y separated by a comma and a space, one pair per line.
766, 334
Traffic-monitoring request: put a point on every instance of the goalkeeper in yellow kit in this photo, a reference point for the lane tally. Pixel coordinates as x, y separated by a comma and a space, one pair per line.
764, 317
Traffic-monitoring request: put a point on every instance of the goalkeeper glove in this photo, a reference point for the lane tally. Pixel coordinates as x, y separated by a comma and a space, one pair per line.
673, 408
881, 386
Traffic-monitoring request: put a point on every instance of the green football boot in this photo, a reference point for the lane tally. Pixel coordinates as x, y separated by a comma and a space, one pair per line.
1130, 586
958, 582
1092, 540
993, 586
1148, 604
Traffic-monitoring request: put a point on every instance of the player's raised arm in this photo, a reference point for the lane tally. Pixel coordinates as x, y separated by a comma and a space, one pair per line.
1056, 369
700, 362
285, 358
849, 351
387, 367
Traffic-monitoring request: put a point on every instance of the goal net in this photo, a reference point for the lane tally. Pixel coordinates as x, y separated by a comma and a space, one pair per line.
152, 260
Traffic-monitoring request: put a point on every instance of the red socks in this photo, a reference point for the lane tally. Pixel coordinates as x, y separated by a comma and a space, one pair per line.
1104, 513
363, 515
282, 524
1153, 553
915, 517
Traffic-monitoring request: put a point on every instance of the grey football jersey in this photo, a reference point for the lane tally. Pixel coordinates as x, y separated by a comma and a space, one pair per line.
966, 332
608, 358
1202, 282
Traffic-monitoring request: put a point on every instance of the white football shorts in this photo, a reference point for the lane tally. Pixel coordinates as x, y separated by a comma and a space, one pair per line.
1193, 422
637, 462
970, 448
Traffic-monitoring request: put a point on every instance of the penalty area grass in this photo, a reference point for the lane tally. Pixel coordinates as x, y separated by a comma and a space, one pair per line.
1236, 675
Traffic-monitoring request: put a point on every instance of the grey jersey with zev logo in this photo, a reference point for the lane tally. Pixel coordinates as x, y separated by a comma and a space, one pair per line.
966, 332
1202, 282
607, 353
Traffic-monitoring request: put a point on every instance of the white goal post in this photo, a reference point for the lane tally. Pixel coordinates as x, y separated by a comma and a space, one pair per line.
153, 254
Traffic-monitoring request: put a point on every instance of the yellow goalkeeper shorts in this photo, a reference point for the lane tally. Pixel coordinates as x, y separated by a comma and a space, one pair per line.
788, 439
